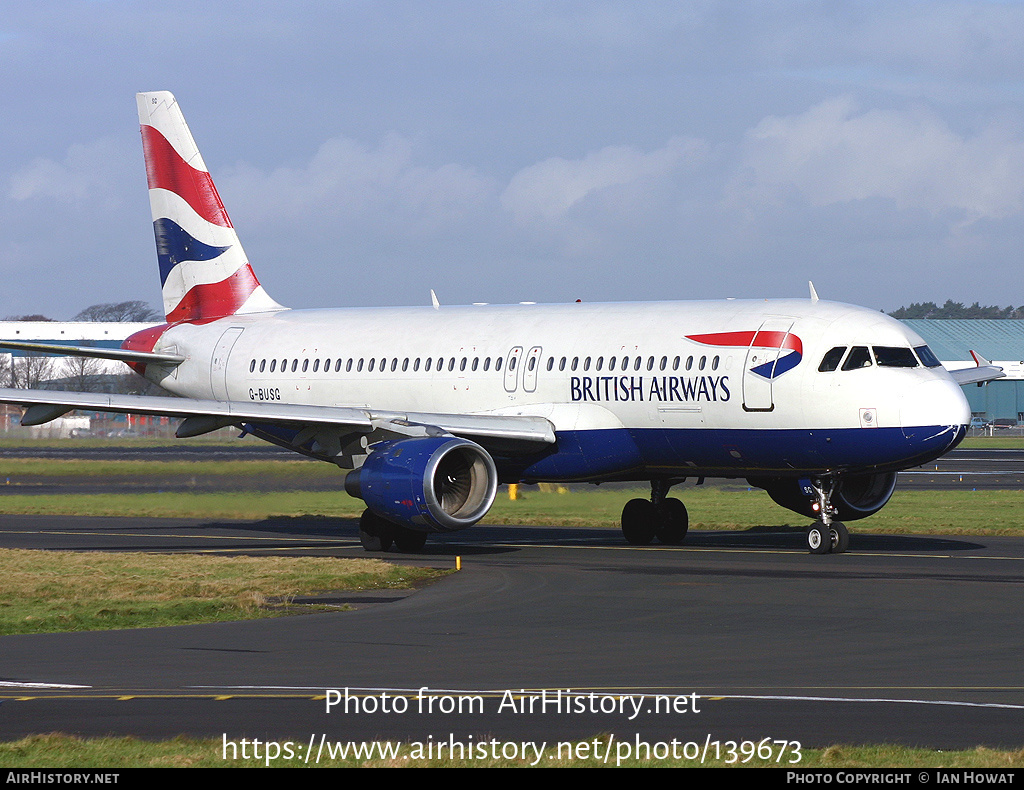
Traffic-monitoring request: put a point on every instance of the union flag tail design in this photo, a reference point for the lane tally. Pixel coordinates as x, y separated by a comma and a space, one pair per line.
204, 271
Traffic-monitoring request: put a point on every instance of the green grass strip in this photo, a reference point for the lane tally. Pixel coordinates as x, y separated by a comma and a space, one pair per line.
64, 751
908, 512
50, 591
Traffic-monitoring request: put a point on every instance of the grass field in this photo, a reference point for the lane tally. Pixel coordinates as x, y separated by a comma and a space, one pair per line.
63, 751
710, 508
51, 591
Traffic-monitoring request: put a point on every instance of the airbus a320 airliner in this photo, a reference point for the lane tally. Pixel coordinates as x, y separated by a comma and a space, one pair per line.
431, 408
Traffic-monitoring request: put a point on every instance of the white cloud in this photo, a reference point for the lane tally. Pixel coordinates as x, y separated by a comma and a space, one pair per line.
834, 153
548, 190
348, 181
90, 173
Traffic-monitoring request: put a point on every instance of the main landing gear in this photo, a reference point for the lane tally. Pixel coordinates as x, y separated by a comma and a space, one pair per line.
661, 516
379, 534
826, 535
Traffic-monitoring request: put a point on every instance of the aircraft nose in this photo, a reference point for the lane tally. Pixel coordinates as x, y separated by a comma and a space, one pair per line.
934, 403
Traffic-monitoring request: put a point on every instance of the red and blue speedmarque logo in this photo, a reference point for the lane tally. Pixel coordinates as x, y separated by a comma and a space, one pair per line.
783, 341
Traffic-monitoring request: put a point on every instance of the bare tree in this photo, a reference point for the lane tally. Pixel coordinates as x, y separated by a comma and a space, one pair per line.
29, 372
82, 374
119, 312
34, 317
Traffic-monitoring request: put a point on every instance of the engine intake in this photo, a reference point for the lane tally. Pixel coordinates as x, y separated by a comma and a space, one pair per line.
854, 497
433, 484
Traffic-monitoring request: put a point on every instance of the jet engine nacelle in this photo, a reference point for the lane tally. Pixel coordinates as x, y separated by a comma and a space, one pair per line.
434, 484
855, 496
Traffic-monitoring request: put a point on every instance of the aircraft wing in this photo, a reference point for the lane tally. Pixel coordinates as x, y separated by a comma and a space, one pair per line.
984, 371
202, 416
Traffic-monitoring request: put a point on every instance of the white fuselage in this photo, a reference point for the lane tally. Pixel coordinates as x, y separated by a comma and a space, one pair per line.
603, 373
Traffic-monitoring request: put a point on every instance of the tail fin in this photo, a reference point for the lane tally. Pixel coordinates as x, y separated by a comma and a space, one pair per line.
204, 271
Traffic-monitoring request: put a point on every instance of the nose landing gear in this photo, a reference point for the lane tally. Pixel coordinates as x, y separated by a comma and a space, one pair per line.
826, 535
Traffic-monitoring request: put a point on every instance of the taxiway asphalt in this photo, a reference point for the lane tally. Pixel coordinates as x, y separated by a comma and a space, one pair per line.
909, 640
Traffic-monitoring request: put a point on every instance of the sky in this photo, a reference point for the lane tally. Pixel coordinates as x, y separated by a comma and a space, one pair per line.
368, 152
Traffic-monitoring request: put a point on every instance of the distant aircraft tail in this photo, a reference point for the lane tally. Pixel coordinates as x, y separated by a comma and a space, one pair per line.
204, 271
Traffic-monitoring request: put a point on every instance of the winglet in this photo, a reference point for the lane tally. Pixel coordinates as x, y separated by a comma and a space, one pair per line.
814, 294
979, 360
982, 372
433, 300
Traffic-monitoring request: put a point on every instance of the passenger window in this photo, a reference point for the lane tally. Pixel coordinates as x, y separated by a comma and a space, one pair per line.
487, 364
551, 363
894, 357
689, 363
714, 363
394, 364
273, 365
451, 364
675, 364
476, 363
497, 363
859, 357
359, 367
586, 363
611, 363
663, 364
561, 364
600, 363
831, 360
416, 365
316, 366
532, 364
462, 365
637, 363
575, 363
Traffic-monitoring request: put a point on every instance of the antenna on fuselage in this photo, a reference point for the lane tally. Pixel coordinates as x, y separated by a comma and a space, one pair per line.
433, 299
814, 294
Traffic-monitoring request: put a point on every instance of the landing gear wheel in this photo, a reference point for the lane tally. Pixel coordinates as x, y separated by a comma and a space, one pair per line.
408, 541
639, 521
818, 539
673, 522
374, 532
840, 537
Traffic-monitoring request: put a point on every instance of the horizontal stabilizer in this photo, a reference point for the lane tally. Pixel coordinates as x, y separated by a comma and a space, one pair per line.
121, 354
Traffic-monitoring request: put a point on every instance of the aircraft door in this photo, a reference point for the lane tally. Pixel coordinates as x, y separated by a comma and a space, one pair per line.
219, 363
530, 368
512, 369
759, 368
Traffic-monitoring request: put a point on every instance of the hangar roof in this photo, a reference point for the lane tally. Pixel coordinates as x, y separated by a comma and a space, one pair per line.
952, 339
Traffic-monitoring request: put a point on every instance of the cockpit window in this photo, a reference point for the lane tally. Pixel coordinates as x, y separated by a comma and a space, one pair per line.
894, 357
928, 359
831, 360
859, 357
